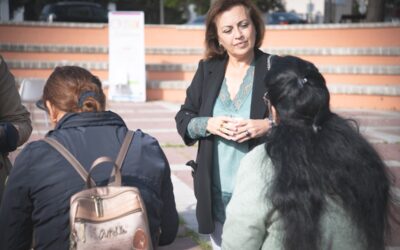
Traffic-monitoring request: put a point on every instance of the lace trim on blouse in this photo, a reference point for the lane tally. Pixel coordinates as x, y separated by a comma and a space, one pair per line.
244, 90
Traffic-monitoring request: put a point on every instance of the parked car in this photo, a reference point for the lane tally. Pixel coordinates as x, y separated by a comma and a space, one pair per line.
271, 18
284, 18
74, 12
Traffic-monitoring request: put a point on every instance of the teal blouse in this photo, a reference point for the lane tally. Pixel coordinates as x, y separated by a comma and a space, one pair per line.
227, 153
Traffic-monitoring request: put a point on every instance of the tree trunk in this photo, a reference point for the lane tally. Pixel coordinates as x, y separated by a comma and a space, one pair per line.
375, 11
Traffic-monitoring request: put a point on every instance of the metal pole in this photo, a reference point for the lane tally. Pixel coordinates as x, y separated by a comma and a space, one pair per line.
4, 10
161, 11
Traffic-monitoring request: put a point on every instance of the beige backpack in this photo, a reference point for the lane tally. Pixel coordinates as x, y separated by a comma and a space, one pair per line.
108, 217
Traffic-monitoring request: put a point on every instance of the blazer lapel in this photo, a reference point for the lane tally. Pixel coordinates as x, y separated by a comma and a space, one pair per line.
214, 75
258, 107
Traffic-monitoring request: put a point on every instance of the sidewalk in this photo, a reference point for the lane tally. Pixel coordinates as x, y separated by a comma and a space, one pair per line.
382, 128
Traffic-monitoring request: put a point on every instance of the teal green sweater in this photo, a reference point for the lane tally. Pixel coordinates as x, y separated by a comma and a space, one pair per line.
251, 224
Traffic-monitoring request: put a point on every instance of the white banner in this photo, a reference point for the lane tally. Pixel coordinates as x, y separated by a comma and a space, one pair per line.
127, 69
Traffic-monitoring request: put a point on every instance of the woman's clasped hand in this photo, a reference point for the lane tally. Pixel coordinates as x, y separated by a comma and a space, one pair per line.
237, 129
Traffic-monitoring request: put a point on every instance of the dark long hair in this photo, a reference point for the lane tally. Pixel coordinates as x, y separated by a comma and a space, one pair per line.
317, 154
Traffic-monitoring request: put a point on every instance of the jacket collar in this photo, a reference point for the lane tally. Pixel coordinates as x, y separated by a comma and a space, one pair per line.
258, 107
89, 119
214, 74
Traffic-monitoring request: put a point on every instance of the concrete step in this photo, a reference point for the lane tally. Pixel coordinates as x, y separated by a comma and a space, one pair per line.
27, 46
165, 55
342, 95
359, 61
191, 67
328, 35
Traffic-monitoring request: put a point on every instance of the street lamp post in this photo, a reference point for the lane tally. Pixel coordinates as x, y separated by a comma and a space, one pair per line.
4, 10
161, 11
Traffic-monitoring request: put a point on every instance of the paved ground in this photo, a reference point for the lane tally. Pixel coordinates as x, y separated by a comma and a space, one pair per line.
382, 128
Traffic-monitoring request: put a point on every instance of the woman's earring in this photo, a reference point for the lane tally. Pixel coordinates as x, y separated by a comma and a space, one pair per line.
221, 47
271, 122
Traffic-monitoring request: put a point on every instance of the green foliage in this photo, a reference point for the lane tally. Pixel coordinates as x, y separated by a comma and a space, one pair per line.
175, 11
201, 6
19, 3
264, 5
173, 3
270, 5
393, 3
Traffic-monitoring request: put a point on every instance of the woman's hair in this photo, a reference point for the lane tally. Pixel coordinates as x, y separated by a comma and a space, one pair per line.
213, 49
74, 89
317, 154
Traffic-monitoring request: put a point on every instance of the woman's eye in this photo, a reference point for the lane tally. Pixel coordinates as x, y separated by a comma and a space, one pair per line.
227, 31
244, 25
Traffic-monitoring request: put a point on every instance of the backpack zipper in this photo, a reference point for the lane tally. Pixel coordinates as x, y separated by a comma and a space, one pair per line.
98, 205
117, 217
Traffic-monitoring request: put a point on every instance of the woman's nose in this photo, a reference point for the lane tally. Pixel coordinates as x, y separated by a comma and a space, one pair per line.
238, 33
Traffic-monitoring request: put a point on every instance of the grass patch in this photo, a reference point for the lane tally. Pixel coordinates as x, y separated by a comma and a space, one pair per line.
170, 145
182, 222
193, 236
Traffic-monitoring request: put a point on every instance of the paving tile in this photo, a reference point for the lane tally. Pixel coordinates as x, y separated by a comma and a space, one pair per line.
181, 243
388, 151
185, 176
179, 155
394, 175
393, 238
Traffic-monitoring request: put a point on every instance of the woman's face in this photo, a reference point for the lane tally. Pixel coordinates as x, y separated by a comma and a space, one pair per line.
236, 32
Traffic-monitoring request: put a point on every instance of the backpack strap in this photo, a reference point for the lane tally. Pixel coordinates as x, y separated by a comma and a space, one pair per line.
78, 166
122, 153
124, 148
97, 162
70, 158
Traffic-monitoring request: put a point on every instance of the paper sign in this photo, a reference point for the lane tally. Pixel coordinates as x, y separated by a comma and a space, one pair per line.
127, 69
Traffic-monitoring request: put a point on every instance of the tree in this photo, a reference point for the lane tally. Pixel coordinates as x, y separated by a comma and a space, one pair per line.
392, 10
376, 11
34, 7
270, 5
175, 11
201, 6
264, 5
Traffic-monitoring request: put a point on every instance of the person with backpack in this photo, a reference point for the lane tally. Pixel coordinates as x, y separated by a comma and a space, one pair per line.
316, 182
36, 201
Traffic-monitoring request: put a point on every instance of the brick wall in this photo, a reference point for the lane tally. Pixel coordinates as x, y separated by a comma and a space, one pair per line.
361, 62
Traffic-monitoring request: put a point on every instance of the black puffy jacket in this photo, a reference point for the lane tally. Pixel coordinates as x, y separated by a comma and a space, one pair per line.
36, 199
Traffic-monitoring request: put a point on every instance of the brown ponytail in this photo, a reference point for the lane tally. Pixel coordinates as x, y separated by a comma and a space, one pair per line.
74, 89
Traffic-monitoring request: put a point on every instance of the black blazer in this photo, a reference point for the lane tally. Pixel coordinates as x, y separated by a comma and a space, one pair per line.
200, 99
